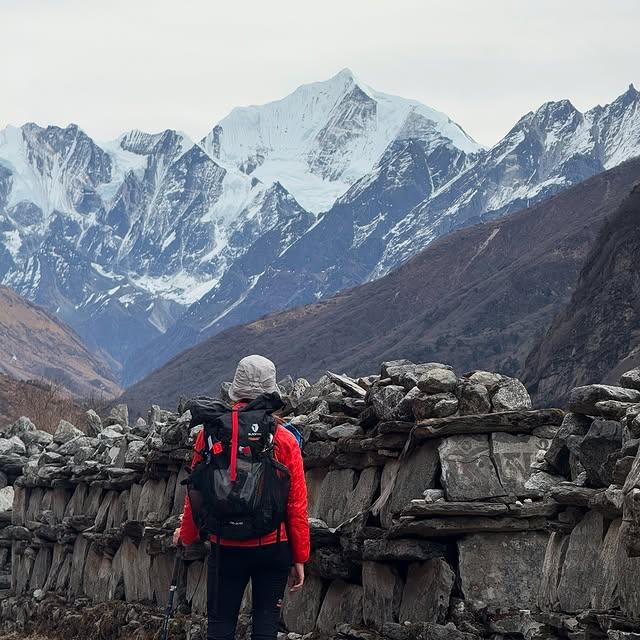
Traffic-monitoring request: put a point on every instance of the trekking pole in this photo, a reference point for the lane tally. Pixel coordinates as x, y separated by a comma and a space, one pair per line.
168, 612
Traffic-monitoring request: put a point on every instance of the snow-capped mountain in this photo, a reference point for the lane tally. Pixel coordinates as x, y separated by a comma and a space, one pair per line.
121, 238
149, 243
324, 136
412, 196
546, 151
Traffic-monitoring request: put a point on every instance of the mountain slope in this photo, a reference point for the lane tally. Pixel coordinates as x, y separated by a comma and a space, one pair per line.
476, 298
119, 239
596, 336
415, 194
38, 346
546, 151
119, 242
292, 275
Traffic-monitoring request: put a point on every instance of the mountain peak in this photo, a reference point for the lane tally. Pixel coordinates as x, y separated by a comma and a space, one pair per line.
557, 108
344, 81
346, 77
345, 74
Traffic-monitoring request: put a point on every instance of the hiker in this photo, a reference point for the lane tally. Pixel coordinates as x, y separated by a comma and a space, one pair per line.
269, 546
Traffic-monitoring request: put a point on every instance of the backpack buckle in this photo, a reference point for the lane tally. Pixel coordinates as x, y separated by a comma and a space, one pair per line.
216, 448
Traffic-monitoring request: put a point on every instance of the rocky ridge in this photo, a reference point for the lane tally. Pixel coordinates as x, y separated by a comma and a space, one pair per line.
595, 336
442, 506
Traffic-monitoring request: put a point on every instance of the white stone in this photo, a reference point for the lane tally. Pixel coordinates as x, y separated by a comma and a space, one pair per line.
6, 498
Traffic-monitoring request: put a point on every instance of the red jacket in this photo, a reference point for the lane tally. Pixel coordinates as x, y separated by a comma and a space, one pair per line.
287, 452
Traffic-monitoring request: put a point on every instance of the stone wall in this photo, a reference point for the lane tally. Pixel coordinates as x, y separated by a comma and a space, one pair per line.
591, 573
441, 507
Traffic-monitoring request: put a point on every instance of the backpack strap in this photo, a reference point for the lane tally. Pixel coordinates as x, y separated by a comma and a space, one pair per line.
233, 465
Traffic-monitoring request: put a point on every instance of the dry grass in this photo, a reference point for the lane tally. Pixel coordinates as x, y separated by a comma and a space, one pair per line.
44, 403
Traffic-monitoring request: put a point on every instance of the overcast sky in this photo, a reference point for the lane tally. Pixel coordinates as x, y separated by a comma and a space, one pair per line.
115, 65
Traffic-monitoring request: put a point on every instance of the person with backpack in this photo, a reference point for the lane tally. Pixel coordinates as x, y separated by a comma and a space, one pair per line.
247, 494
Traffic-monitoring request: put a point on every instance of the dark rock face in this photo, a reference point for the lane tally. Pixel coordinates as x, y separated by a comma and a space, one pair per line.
593, 338
588, 399
603, 439
473, 398
631, 379
573, 426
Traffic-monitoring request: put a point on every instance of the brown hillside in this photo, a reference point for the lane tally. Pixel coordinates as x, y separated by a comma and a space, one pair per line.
35, 345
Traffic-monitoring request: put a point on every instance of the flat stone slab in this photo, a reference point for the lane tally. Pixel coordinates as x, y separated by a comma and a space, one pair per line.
396, 426
401, 550
417, 470
583, 399
468, 472
335, 491
342, 604
348, 384
427, 592
502, 571
382, 592
550, 579
513, 455
423, 509
300, 610
506, 421
580, 562
458, 525
616, 575
571, 494
420, 508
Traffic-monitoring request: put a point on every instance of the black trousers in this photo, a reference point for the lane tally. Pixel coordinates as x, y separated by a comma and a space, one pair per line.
268, 568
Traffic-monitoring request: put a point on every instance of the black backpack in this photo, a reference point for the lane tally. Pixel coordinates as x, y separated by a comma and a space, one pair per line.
239, 490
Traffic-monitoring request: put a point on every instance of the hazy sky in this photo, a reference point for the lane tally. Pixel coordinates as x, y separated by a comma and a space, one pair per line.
115, 65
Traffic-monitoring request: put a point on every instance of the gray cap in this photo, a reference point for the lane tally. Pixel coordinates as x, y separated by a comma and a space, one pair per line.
254, 376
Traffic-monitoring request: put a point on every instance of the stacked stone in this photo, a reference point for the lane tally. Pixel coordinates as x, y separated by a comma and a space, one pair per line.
18, 443
431, 496
426, 492
92, 518
591, 575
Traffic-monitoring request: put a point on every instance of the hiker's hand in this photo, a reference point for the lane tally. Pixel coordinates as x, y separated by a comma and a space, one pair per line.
296, 577
176, 536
